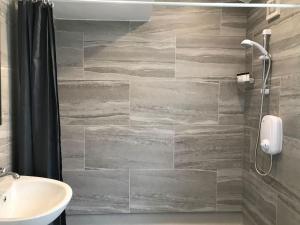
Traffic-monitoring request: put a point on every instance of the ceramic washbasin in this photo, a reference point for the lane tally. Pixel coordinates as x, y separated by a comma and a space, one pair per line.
32, 200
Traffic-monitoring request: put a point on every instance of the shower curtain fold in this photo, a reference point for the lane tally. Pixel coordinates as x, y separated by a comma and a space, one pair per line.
37, 123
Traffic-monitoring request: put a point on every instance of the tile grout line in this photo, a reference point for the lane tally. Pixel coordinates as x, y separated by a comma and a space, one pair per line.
219, 96
129, 191
84, 145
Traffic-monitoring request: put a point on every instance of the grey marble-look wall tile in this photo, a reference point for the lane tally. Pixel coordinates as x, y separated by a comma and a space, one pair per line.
182, 20
286, 164
231, 100
70, 73
247, 218
97, 69
200, 144
108, 27
72, 147
129, 147
287, 65
172, 191
290, 105
231, 119
6, 95
69, 49
233, 25
229, 185
5, 134
130, 51
214, 63
128, 58
8, 37
94, 102
259, 199
69, 57
174, 102
5, 47
192, 21
6, 156
98, 191
69, 39
215, 42
158, 29
235, 11
286, 214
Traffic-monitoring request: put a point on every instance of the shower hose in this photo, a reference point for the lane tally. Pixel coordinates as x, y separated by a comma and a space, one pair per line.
264, 85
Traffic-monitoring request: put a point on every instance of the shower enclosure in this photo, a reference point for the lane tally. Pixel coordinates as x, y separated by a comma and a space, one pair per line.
154, 127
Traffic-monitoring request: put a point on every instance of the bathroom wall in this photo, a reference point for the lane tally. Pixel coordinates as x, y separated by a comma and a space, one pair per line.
275, 199
152, 120
7, 26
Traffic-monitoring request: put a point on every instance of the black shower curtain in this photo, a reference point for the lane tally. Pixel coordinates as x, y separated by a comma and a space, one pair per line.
37, 127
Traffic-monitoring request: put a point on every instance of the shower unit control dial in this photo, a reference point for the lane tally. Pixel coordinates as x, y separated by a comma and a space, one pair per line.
271, 135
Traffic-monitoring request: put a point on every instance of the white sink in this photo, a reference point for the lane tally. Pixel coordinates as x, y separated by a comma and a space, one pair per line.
32, 200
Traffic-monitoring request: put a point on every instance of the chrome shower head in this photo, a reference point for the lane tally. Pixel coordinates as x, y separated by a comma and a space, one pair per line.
249, 44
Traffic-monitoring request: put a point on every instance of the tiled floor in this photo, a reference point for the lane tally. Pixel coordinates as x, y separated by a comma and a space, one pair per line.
158, 219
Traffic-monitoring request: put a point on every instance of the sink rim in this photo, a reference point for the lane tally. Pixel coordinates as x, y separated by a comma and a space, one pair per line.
64, 202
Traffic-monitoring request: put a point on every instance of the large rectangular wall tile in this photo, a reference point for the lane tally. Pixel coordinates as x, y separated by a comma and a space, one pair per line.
119, 59
214, 57
290, 105
209, 62
98, 191
195, 21
233, 25
129, 147
231, 99
129, 51
229, 185
259, 199
70, 73
103, 27
181, 20
197, 145
72, 147
286, 164
231, 103
174, 102
69, 49
69, 39
172, 191
94, 102
288, 212
6, 95
6, 156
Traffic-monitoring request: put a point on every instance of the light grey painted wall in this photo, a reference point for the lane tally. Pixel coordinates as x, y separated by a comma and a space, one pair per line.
275, 200
7, 21
151, 117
